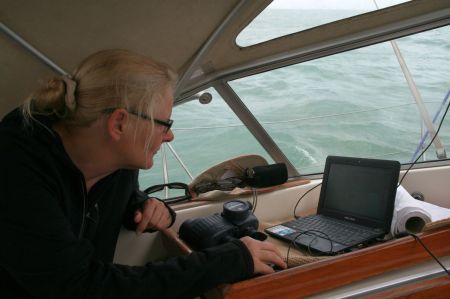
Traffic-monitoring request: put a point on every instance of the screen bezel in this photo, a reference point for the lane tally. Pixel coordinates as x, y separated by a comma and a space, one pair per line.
392, 166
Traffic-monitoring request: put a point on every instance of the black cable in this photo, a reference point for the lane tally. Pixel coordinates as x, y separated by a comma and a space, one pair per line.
403, 177
428, 146
309, 248
400, 182
429, 252
409, 168
295, 208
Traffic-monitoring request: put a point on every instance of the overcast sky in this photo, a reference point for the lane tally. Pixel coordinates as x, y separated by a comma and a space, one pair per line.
333, 4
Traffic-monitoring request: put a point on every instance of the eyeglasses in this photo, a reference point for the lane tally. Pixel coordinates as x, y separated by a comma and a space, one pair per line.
168, 124
179, 186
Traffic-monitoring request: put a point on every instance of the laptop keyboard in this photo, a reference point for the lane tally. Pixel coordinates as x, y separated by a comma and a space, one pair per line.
336, 230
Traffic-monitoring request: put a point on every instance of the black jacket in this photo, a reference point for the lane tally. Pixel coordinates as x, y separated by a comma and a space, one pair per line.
57, 241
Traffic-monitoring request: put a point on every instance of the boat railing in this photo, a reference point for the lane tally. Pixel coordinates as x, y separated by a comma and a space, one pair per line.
419, 146
427, 132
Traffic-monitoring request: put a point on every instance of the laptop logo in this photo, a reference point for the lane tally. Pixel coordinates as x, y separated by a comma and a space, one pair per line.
349, 218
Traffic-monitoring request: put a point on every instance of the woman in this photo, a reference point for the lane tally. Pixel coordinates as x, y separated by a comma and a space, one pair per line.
70, 158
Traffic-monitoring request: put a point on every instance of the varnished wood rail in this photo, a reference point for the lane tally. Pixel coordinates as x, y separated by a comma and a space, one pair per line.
341, 270
433, 288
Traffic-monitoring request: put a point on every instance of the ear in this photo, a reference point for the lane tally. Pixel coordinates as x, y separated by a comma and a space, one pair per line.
117, 124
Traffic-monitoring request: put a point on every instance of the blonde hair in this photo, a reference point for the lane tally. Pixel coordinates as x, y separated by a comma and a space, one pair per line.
104, 80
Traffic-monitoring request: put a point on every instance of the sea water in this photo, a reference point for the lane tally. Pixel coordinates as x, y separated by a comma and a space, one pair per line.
355, 103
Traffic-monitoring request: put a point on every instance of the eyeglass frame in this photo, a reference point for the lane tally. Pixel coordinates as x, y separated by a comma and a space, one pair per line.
179, 186
168, 124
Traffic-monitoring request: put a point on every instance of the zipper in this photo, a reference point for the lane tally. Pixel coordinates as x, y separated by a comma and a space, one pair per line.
83, 214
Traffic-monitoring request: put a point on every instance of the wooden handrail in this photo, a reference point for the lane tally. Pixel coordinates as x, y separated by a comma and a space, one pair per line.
174, 244
341, 270
438, 287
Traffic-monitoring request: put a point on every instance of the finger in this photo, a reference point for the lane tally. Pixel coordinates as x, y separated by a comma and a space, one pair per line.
269, 246
165, 218
267, 256
137, 217
155, 221
147, 214
279, 261
261, 245
161, 218
270, 257
264, 269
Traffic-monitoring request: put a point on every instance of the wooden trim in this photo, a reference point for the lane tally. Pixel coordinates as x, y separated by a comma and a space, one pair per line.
341, 270
174, 244
430, 288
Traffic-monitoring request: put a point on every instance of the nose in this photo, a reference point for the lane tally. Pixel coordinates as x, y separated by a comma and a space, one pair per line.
168, 136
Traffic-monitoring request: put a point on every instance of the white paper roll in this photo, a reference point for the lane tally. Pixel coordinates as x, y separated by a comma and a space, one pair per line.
411, 215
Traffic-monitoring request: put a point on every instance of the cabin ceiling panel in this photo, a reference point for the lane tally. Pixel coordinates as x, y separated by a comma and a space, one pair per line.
67, 31
172, 31
20, 74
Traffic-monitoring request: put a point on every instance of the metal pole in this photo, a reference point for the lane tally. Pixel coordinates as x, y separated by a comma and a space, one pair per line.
14, 36
440, 150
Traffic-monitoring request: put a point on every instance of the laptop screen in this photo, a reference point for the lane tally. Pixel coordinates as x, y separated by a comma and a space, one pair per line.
359, 190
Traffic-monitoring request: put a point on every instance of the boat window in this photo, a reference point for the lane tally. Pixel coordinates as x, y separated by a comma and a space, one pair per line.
357, 103
283, 17
205, 135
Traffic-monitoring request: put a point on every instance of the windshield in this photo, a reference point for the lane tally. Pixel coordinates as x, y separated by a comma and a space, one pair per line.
358, 103
378, 101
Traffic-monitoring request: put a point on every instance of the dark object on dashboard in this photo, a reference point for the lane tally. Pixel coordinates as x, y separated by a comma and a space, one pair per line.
256, 177
235, 221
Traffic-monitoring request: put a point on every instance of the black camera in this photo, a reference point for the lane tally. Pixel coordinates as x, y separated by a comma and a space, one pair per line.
235, 221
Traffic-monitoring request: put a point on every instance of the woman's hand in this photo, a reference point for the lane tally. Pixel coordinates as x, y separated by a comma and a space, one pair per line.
154, 215
263, 253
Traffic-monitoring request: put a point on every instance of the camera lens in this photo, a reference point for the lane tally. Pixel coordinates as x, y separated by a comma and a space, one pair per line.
236, 210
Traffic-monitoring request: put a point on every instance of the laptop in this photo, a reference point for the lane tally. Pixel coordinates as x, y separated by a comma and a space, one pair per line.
356, 205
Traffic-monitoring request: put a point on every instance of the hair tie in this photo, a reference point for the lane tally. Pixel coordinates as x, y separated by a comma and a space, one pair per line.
71, 85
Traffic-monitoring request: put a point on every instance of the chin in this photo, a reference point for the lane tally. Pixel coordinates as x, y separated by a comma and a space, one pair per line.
148, 163
148, 166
